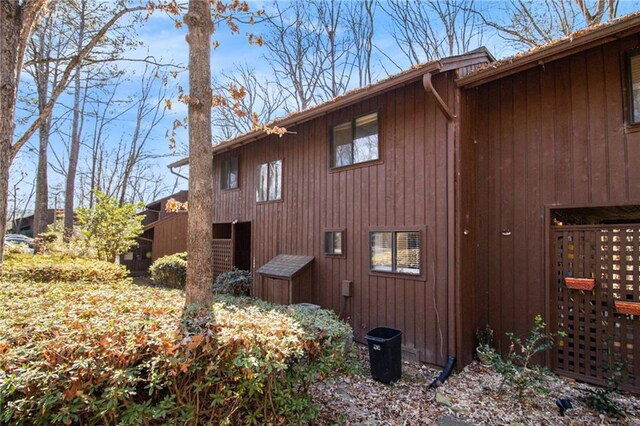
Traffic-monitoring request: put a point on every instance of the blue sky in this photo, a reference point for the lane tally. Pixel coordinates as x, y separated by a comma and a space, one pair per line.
161, 40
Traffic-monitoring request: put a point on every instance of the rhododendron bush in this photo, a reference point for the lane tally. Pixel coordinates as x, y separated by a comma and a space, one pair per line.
121, 353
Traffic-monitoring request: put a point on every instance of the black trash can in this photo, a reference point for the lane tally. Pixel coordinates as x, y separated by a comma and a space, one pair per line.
385, 355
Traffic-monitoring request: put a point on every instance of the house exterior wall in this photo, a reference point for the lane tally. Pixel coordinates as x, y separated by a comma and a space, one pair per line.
406, 190
550, 136
170, 235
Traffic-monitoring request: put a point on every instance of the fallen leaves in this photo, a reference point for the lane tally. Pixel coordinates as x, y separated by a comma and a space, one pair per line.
472, 395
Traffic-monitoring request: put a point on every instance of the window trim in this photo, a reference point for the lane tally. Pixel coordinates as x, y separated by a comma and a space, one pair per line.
267, 201
423, 238
344, 242
222, 188
630, 125
367, 163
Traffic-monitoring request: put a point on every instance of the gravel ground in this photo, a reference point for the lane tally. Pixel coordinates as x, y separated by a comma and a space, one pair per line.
472, 396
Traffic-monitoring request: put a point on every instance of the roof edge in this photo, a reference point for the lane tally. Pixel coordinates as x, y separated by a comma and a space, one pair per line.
475, 57
571, 44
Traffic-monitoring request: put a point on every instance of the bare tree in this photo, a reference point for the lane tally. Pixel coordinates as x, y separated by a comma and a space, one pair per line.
263, 98
44, 45
317, 48
433, 29
334, 47
291, 44
360, 22
150, 111
17, 19
19, 200
529, 23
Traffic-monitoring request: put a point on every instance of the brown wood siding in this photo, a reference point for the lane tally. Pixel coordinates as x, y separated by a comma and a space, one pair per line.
406, 189
170, 236
549, 136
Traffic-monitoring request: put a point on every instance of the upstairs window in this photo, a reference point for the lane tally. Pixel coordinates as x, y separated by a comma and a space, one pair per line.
334, 243
355, 141
634, 89
269, 181
395, 251
229, 178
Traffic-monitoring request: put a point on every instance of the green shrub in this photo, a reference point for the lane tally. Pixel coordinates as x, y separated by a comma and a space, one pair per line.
43, 268
118, 353
170, 271
516, 368
235, 283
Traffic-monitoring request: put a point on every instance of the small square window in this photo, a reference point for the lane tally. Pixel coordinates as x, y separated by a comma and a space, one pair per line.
355, 141
334, 243
229, 176
269, 181
634, 89
395, 251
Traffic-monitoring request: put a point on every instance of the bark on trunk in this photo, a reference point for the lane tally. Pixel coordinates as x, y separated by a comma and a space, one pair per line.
10, 63
42, 185
199, 288
74, 152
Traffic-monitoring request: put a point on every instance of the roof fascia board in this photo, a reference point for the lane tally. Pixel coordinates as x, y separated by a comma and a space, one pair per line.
557, 51
327, 107
413, 75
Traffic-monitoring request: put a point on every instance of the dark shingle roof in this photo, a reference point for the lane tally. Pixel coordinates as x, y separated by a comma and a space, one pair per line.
285, 266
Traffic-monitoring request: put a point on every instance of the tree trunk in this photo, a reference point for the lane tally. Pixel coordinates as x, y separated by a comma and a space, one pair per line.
42, 185
10, 64
74, 152
199, 288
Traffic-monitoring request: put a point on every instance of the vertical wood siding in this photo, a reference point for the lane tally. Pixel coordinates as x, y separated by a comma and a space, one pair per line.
406, 189
170, 235
550, 136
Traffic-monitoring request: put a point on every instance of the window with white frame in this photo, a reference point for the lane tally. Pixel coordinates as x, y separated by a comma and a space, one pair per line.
269, 181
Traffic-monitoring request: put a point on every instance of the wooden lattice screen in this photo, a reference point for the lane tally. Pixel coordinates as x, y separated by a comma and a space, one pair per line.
222, 256
597, 336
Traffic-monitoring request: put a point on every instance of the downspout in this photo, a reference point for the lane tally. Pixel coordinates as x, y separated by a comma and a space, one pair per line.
428, 87
453, 308
173, 172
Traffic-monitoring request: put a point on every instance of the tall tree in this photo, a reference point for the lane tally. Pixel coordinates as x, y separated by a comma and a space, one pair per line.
432, 29
76, 127
263, 100
17, 19
45, 73
199, 289
317, 48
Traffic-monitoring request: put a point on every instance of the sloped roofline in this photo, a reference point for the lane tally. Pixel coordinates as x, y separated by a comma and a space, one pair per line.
415, 73
559, 48
160, 200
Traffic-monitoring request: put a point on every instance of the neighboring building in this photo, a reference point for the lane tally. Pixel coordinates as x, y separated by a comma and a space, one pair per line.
456, 194
164, 233
24, 225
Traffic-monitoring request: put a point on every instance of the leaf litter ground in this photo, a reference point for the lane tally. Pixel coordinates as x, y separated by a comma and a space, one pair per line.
472, 396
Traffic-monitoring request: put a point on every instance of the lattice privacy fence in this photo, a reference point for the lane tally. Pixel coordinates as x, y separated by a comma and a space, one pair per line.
222, 256
600, 339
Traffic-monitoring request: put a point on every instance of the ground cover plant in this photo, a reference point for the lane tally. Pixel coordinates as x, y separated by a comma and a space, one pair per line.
119, 353
44, 268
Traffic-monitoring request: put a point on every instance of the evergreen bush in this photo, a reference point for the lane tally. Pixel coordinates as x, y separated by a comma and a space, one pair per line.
170, 271
235, 283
